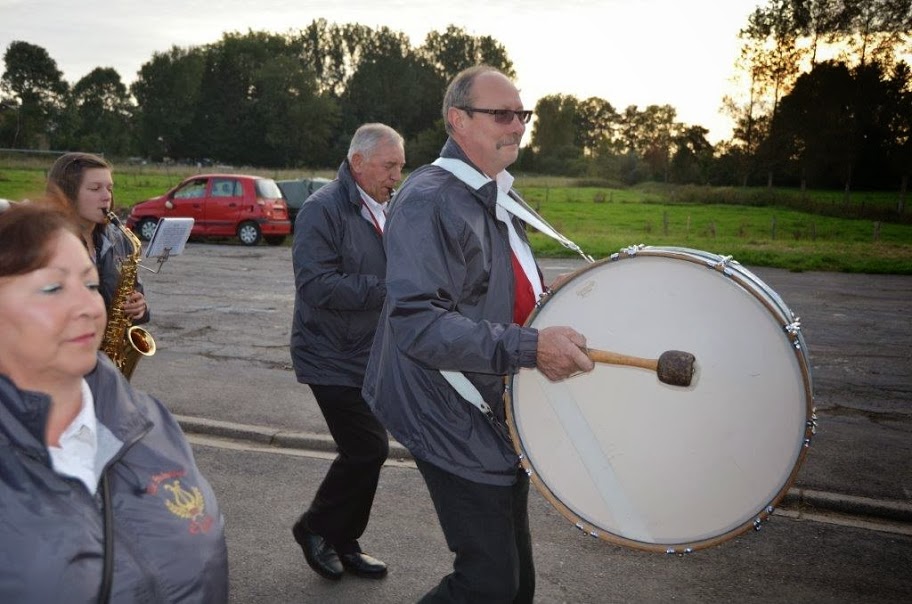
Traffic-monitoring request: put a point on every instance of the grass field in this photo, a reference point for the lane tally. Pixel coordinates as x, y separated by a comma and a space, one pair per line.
764, 231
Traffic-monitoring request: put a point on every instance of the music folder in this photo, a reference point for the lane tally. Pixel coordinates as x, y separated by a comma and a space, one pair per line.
169, 238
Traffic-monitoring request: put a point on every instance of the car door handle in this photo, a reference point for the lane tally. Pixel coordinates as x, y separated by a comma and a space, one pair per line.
232, 205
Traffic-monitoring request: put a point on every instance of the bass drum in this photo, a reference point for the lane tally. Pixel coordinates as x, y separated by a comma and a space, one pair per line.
656, 467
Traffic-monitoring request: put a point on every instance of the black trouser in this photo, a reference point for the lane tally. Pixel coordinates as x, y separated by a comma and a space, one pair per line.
341, 508
487, 527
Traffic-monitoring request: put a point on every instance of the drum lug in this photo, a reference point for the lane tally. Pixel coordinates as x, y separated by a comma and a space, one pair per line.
672, 551
629, 251
794, 327
582, 527
758, 521
722, 265
811, 425
527, 469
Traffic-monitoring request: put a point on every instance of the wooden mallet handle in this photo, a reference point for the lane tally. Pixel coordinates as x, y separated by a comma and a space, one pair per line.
673, 367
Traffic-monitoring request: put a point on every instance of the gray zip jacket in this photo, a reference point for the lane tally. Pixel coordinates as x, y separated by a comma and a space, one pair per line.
449, 305
169, 543
340, 270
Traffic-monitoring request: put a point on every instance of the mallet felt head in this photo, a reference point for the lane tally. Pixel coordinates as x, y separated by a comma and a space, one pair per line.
675, 368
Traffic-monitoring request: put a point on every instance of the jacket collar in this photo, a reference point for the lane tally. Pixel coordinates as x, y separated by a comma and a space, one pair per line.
23, 416
120, 411
486, 194
23, 413
348, 184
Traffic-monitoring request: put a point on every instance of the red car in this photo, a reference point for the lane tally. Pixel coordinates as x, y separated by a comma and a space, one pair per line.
221, 205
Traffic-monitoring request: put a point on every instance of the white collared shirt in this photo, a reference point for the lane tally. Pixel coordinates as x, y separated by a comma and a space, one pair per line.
373, 211
75, 457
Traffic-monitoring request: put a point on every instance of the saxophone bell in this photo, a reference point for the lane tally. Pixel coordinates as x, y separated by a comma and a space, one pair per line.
139, 343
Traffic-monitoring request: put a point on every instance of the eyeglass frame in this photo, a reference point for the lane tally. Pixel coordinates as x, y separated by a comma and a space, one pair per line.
523, 115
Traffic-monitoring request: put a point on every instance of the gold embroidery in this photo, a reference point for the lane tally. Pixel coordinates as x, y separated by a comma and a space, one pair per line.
186, 504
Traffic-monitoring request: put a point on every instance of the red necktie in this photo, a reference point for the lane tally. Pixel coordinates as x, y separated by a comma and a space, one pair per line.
524, 298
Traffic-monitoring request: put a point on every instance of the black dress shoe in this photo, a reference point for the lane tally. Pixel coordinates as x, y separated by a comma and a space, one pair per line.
359, 563
319, 554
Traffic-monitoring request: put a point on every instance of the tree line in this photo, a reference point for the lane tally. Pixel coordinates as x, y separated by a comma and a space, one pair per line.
255, 98
292, 100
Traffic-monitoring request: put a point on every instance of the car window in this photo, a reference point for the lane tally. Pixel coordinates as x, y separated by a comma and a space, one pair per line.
266, 187
292, 190
315, 184
226, 187
192, 190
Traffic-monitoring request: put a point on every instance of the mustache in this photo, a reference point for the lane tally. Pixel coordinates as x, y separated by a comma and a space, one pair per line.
511, 140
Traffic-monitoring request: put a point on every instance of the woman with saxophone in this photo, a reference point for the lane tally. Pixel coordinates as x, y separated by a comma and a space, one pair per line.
100, 497
85, 181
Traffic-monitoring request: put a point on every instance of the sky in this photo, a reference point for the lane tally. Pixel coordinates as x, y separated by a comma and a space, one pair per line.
628, 52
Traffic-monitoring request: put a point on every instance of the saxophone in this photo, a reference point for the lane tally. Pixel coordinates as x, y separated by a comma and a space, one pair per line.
123, 342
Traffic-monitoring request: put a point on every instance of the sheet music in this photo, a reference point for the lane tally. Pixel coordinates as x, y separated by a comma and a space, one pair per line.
169, 237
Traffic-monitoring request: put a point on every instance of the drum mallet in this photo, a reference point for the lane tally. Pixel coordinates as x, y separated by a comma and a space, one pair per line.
673, 367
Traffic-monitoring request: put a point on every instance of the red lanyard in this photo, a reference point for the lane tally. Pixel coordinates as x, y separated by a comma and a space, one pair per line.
373, 218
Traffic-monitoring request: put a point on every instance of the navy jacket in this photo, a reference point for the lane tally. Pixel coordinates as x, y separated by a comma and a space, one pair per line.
449, 305
340, 269
169, 542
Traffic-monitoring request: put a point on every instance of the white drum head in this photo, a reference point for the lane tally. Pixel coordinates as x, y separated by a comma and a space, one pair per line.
659, 467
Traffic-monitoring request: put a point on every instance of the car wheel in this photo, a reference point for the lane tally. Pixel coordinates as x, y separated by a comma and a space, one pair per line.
249, 233
275, 239
146, 227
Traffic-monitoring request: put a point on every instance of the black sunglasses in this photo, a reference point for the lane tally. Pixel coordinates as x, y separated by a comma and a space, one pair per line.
501, 116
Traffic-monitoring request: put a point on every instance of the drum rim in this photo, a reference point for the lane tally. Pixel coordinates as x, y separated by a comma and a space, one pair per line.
775, 305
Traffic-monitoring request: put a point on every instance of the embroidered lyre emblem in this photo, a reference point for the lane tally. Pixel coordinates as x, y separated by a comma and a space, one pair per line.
187, 504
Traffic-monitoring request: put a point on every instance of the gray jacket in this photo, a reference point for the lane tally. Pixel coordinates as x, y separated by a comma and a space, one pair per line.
169, 543
340, 269
449, 306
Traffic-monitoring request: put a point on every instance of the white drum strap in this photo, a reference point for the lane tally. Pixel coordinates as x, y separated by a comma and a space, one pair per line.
521, 210
467, 390
596, 462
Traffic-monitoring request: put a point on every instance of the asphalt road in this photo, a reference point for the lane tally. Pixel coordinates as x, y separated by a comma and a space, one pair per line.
789, 560
221, 319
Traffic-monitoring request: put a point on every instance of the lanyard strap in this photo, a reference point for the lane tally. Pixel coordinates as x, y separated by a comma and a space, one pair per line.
373, 218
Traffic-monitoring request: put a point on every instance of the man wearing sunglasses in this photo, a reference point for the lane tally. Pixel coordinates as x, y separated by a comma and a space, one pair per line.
461, 281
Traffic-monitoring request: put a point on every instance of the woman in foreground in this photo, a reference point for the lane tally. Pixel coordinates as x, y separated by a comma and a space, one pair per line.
100, 497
